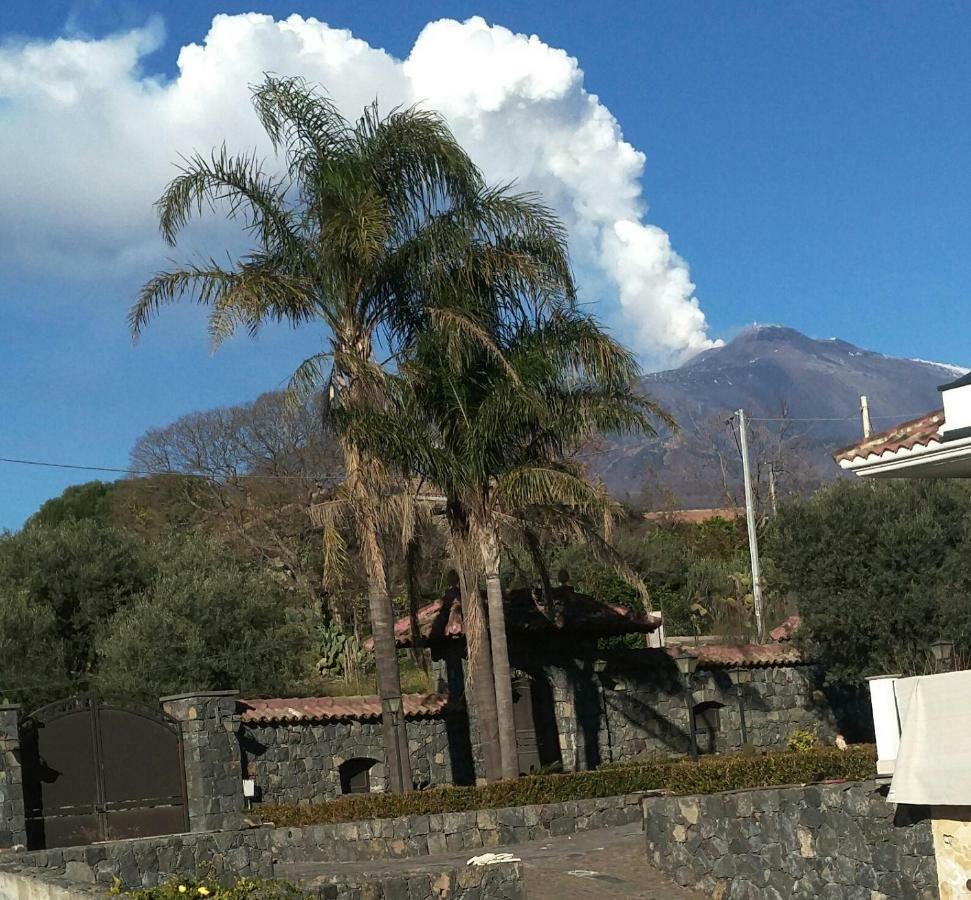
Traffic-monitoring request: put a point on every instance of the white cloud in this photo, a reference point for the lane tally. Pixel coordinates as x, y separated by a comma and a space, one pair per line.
88, 140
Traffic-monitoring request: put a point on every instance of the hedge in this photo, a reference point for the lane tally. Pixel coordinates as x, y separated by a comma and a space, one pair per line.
709, 775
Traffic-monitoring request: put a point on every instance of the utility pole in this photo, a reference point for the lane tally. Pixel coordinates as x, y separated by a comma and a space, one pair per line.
865, 413
772, 501
753, 540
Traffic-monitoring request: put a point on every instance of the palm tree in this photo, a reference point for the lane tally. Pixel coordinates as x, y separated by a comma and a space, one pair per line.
496, 434
362, 235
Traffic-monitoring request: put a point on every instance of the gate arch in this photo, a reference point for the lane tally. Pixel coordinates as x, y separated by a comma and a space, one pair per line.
100, 769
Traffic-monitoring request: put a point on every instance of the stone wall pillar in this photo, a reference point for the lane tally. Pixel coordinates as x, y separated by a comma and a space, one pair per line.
565, 711
212, 758
13, 829
951, 827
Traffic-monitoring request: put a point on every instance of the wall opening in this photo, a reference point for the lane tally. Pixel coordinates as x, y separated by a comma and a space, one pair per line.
706, 720
355, 775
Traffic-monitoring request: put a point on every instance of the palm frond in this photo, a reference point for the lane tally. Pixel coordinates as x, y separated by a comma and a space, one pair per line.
237, 182
309, 377
334, 557
301, 120
236, 297
548, 485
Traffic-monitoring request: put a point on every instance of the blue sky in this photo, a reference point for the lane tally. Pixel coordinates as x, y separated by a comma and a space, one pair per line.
808, 163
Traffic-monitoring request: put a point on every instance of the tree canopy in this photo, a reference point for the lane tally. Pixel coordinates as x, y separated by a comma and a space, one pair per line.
84, 604
879, 571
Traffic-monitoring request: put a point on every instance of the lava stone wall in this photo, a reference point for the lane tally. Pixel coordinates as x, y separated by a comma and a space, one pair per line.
300, 762
475, 831
147, 861
12, 828
646, 712
827, 840
497, 881
213, 774
614, 706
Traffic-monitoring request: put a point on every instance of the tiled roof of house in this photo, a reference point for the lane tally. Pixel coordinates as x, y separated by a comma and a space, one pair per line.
785, 631
581, 614
749, 656
695, 516
754, 656
920, 432
337, 709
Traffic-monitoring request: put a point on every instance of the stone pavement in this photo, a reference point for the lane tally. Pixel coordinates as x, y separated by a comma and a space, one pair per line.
607, 863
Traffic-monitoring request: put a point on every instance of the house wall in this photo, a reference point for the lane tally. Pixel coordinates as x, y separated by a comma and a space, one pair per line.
594, 707
300, 762
647, 714
611, 707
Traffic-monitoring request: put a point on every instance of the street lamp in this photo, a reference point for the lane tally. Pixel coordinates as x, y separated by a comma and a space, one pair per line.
396, 774
740, 676
686, 666
943, 653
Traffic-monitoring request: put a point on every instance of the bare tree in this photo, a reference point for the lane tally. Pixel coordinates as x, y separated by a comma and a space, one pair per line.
248, 474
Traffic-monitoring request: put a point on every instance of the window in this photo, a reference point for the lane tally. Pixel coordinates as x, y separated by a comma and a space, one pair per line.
707, 724
355, 775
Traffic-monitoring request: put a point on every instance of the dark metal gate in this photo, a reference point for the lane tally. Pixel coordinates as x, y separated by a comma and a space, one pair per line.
97, 770
527, 746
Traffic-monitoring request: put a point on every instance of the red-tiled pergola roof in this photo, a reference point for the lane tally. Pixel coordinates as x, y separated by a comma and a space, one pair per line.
920, 432
786, 630
695, 516
581, 615
748, 656
338, 709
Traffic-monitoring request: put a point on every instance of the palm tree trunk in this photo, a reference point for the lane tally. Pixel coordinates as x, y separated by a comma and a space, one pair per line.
393, 727
398, 760
536, 555
491, 559
412, 561
480, 678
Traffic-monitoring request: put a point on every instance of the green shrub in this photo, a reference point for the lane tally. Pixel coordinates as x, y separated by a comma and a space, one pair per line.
709, 775
802, 740
83, 572
209, 887
206, 622
879, 571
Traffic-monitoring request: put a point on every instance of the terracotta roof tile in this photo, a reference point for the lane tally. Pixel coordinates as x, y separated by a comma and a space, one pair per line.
754, 656
336, 709
920, 432
580, 614
785, 631
695, 516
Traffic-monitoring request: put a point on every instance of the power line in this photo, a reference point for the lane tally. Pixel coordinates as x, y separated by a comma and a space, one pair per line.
78, 467
895, 418
147, 472
901, 417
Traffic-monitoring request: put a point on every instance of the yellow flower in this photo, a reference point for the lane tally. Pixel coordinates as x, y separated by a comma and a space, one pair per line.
182, 889
203, 891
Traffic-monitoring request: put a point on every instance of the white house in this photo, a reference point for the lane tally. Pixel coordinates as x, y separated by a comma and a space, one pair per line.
923, 723
935, 445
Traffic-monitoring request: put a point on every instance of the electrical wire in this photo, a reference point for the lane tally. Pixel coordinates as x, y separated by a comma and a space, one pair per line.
148, 472
900, 418
291, 477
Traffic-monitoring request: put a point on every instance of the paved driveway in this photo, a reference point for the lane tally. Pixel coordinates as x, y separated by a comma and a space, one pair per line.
606, 863
609, 862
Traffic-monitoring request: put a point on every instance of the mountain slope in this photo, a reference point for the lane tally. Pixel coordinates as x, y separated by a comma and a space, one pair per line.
773, 372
